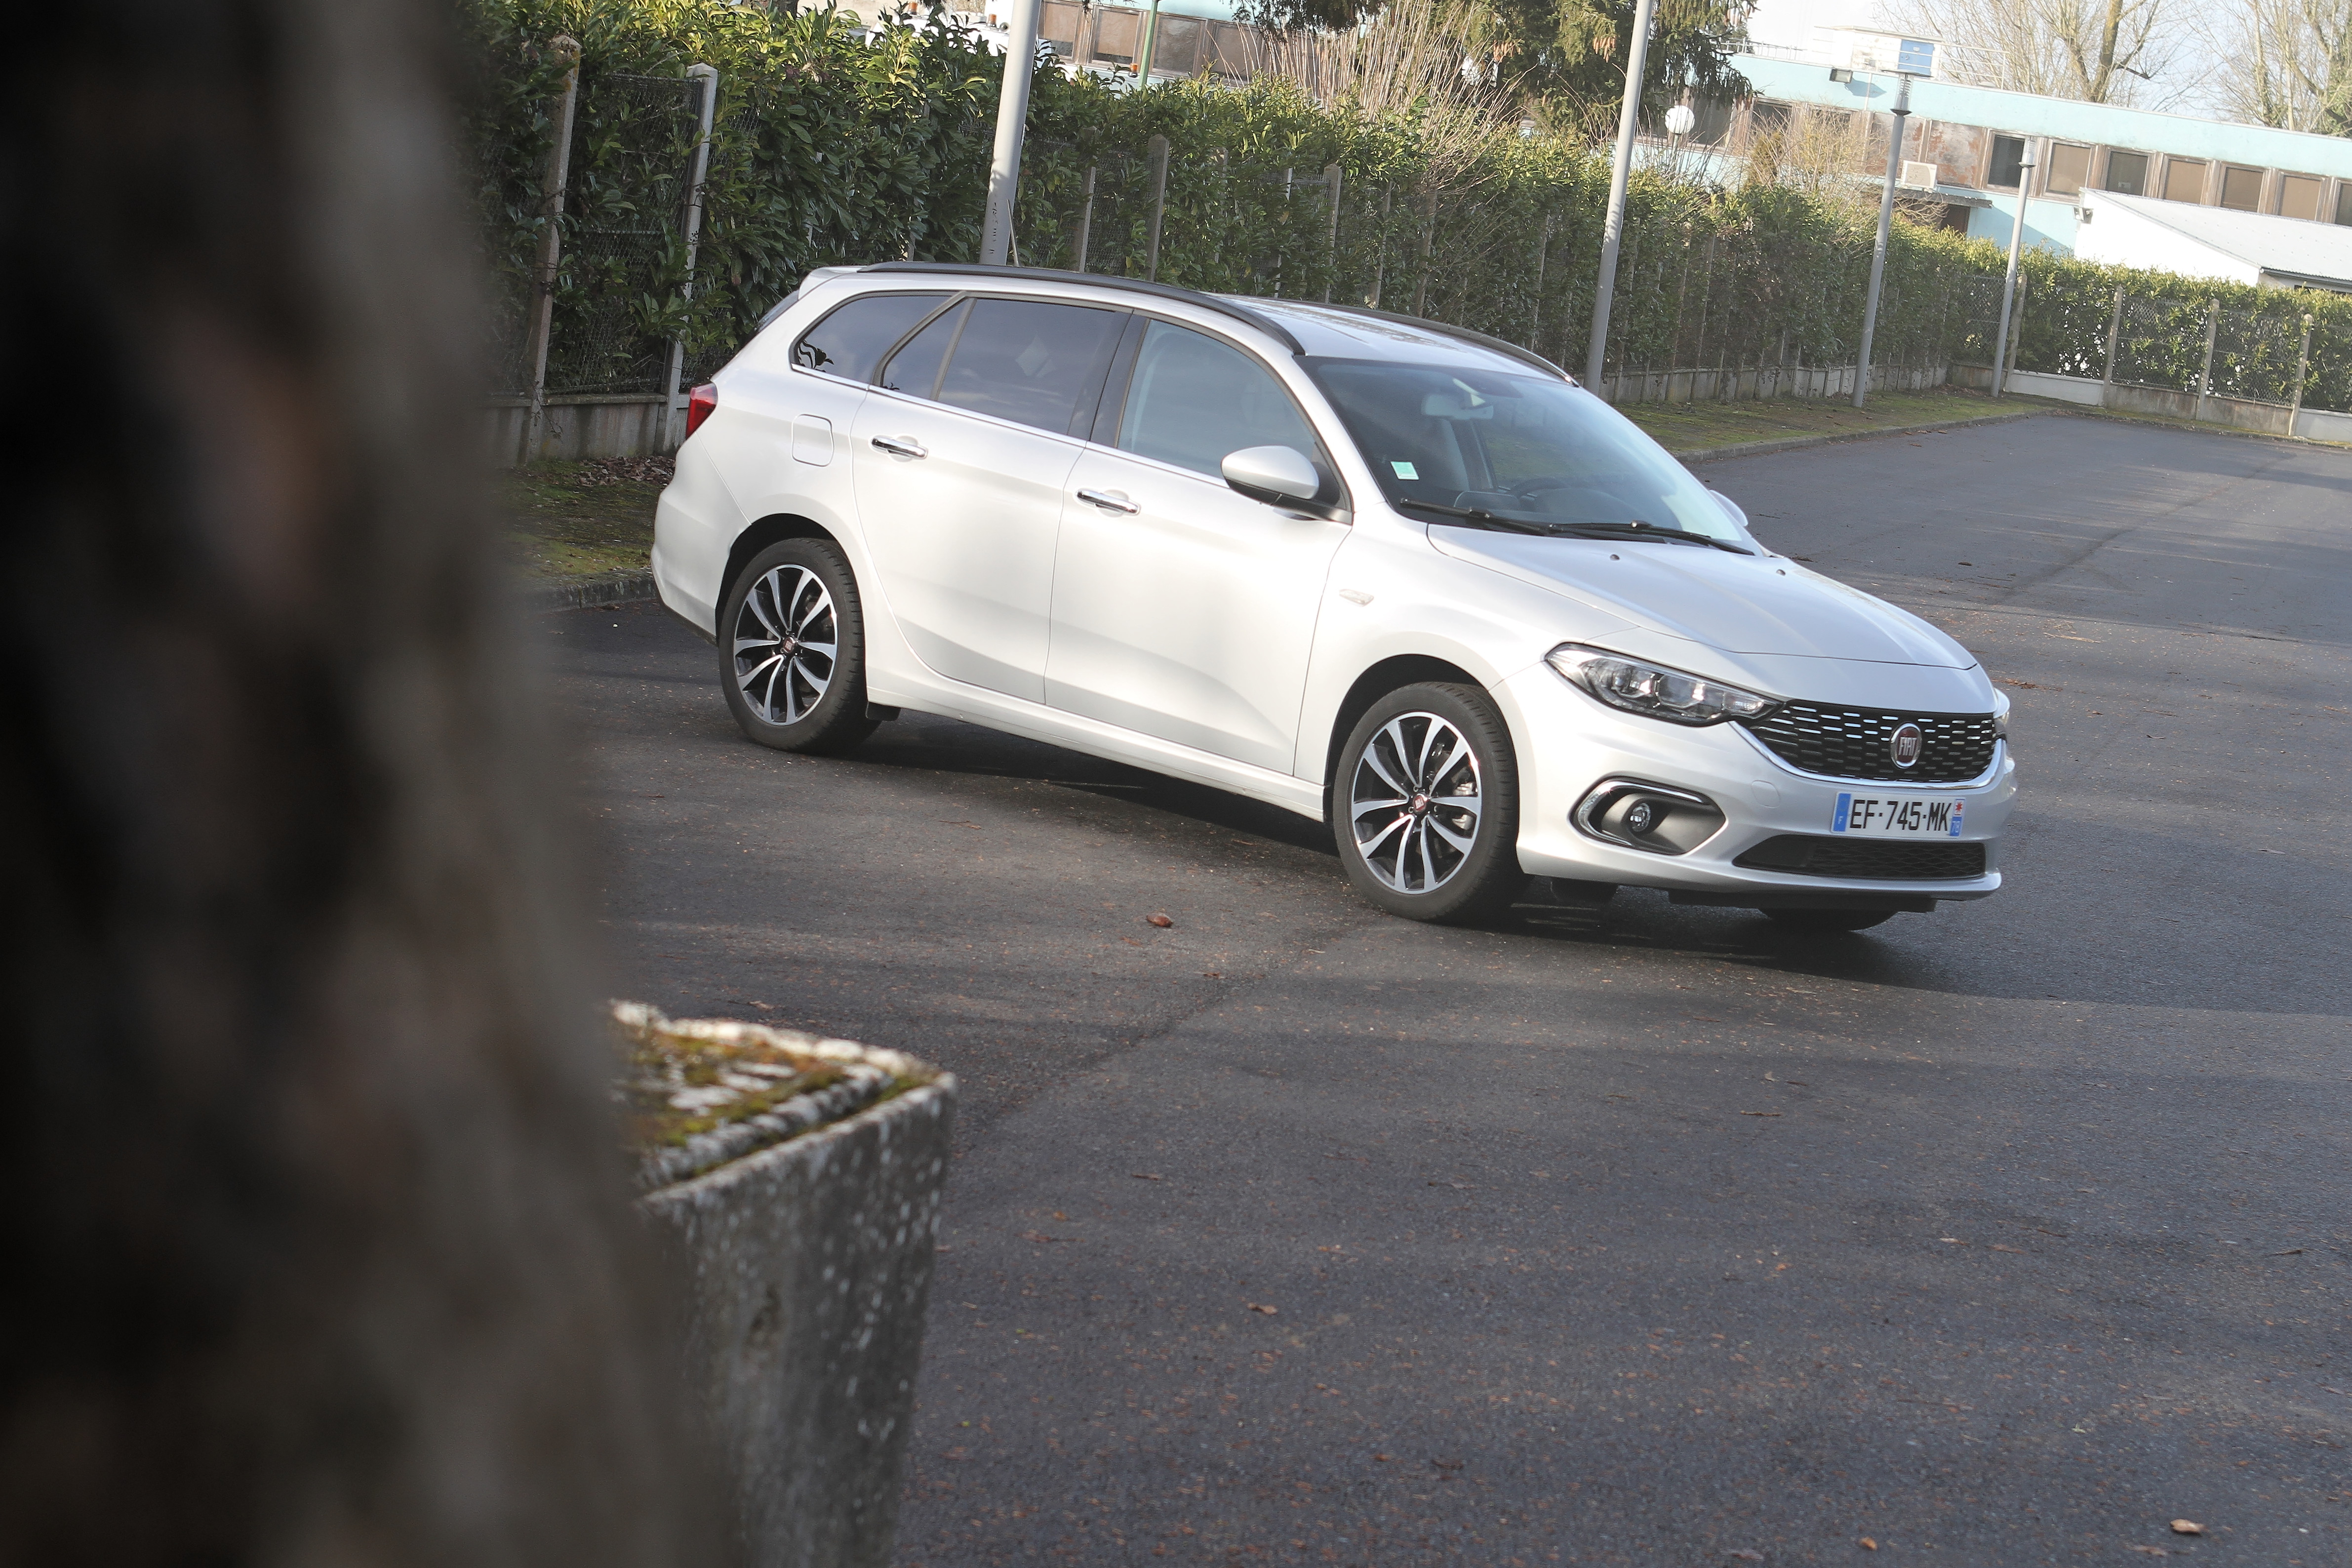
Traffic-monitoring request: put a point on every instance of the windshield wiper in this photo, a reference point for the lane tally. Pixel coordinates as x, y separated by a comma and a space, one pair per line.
1651, 531
1479, 517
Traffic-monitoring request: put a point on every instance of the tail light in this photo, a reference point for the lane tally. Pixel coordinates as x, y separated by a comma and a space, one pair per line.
699, 405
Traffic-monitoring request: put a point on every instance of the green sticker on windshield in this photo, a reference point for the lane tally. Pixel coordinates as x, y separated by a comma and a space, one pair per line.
1405, 470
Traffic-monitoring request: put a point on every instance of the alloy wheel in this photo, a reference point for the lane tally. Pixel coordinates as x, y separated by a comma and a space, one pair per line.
1414, 803
786, 637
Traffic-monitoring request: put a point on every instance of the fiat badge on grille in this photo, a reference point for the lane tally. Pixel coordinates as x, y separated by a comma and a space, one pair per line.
1904, 746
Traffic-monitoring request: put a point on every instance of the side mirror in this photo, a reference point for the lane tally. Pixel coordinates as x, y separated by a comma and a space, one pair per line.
1276, 474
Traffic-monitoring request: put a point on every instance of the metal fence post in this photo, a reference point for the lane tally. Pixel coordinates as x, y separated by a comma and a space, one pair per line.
2302, 369
1543, 249
2205, 376
551, 243
2114, 333
1085, 226
1381, 262
1428, 243
1157, 157
1331, 177
708, 78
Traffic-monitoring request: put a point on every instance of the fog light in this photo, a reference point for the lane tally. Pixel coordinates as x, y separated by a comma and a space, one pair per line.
1643, 816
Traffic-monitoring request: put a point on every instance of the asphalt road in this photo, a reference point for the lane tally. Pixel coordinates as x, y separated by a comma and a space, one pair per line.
1644, 1235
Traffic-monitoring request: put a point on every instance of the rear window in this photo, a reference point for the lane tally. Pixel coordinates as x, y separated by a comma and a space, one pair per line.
851, 340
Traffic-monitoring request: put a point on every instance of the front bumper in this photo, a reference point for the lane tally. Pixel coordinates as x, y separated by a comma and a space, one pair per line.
1569, 743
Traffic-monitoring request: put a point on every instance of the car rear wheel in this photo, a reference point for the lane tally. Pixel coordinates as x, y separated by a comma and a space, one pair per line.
792, 649
1819, 921
1425, 806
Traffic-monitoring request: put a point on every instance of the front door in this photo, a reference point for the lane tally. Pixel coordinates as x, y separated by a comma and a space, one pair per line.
1181, 608
958, 457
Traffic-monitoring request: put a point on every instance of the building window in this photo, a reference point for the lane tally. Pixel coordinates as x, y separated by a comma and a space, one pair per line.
2184, 180
2344, 201
2128, 173
2242, 189
2008, 159
2299, 195
2070, 169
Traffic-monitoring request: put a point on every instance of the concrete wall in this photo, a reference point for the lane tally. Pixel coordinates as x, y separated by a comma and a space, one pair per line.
1736, 385
2240, 413
628, 424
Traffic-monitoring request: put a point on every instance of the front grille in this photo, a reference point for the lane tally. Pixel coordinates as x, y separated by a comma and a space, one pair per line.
1852, 742
1873, 859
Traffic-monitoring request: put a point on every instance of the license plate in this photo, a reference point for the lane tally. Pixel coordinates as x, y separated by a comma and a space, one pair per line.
1897, 816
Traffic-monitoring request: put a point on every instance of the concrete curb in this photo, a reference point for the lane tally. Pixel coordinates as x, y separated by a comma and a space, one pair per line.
622, 590
1791, 443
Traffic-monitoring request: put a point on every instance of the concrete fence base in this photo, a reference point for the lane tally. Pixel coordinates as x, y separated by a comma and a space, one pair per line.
1736, 384
809, 1265
579, 426
2240, 413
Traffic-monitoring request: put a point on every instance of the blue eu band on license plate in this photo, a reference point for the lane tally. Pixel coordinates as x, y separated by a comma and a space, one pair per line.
1897, 816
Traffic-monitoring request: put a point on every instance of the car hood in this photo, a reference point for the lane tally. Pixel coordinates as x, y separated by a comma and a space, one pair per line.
1755, 604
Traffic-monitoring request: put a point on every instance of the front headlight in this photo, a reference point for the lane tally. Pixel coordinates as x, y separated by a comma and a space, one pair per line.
2000, 717
1654, 691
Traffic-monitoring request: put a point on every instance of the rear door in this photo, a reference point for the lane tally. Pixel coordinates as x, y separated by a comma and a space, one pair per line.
959, 456
1180, 607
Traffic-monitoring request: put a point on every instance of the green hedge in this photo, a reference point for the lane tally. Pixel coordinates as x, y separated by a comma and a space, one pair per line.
832, 147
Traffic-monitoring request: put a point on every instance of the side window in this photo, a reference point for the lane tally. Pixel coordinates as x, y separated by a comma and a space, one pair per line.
1030, 361
851, 340
2128, 173
1192, 399
914, 368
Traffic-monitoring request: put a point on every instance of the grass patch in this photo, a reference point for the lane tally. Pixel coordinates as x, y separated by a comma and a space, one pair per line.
1698, 426
581, 523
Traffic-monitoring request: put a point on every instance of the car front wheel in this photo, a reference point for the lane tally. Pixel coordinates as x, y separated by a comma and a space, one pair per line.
1425, 806
791, 653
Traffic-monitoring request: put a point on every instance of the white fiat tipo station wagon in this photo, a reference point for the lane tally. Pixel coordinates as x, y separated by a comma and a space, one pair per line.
1392, 575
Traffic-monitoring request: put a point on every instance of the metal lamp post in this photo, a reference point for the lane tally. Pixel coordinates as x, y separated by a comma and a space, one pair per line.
1878, 252
2008, 281
1012, 121
1612, 229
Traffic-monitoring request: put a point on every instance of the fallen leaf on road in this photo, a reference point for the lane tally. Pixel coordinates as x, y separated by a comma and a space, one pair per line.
1868, 1544
1447, 1464
1999, 1248
1760, 1114
1144, 1176
1163, 922
2289, 1252
1744, 1556
2153, 1550
1211, 975
2186, 1527
1383, 1458
1262, 1306
1041, 1237
1955, 1240
1130, 941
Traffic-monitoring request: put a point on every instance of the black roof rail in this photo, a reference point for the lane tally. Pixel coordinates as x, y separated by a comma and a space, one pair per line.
1444, 329
1264, 324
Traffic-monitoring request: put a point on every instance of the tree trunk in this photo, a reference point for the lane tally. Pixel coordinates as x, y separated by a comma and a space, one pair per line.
320, 1239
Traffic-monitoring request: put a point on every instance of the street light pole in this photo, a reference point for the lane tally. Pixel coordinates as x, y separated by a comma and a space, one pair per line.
1612, 229
1878, 253
1012, 121
2009, 282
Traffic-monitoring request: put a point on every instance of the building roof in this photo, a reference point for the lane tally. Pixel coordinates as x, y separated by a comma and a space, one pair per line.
2290, 249
2028, 114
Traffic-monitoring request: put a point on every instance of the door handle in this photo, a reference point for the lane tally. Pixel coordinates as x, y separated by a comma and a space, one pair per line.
1109, 501
901, 445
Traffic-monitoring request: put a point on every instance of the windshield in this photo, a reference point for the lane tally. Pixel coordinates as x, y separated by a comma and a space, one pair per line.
1521, 447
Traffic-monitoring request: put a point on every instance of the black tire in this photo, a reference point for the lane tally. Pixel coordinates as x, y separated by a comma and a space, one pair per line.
1414, 863
1820, 922
777, 614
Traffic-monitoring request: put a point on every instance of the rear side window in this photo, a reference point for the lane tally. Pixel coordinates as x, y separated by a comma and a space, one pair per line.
1194, 399
1030, 361
851, 340
915, 369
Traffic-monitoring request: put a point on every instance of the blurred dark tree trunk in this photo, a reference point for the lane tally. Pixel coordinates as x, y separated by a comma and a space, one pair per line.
319, 1249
